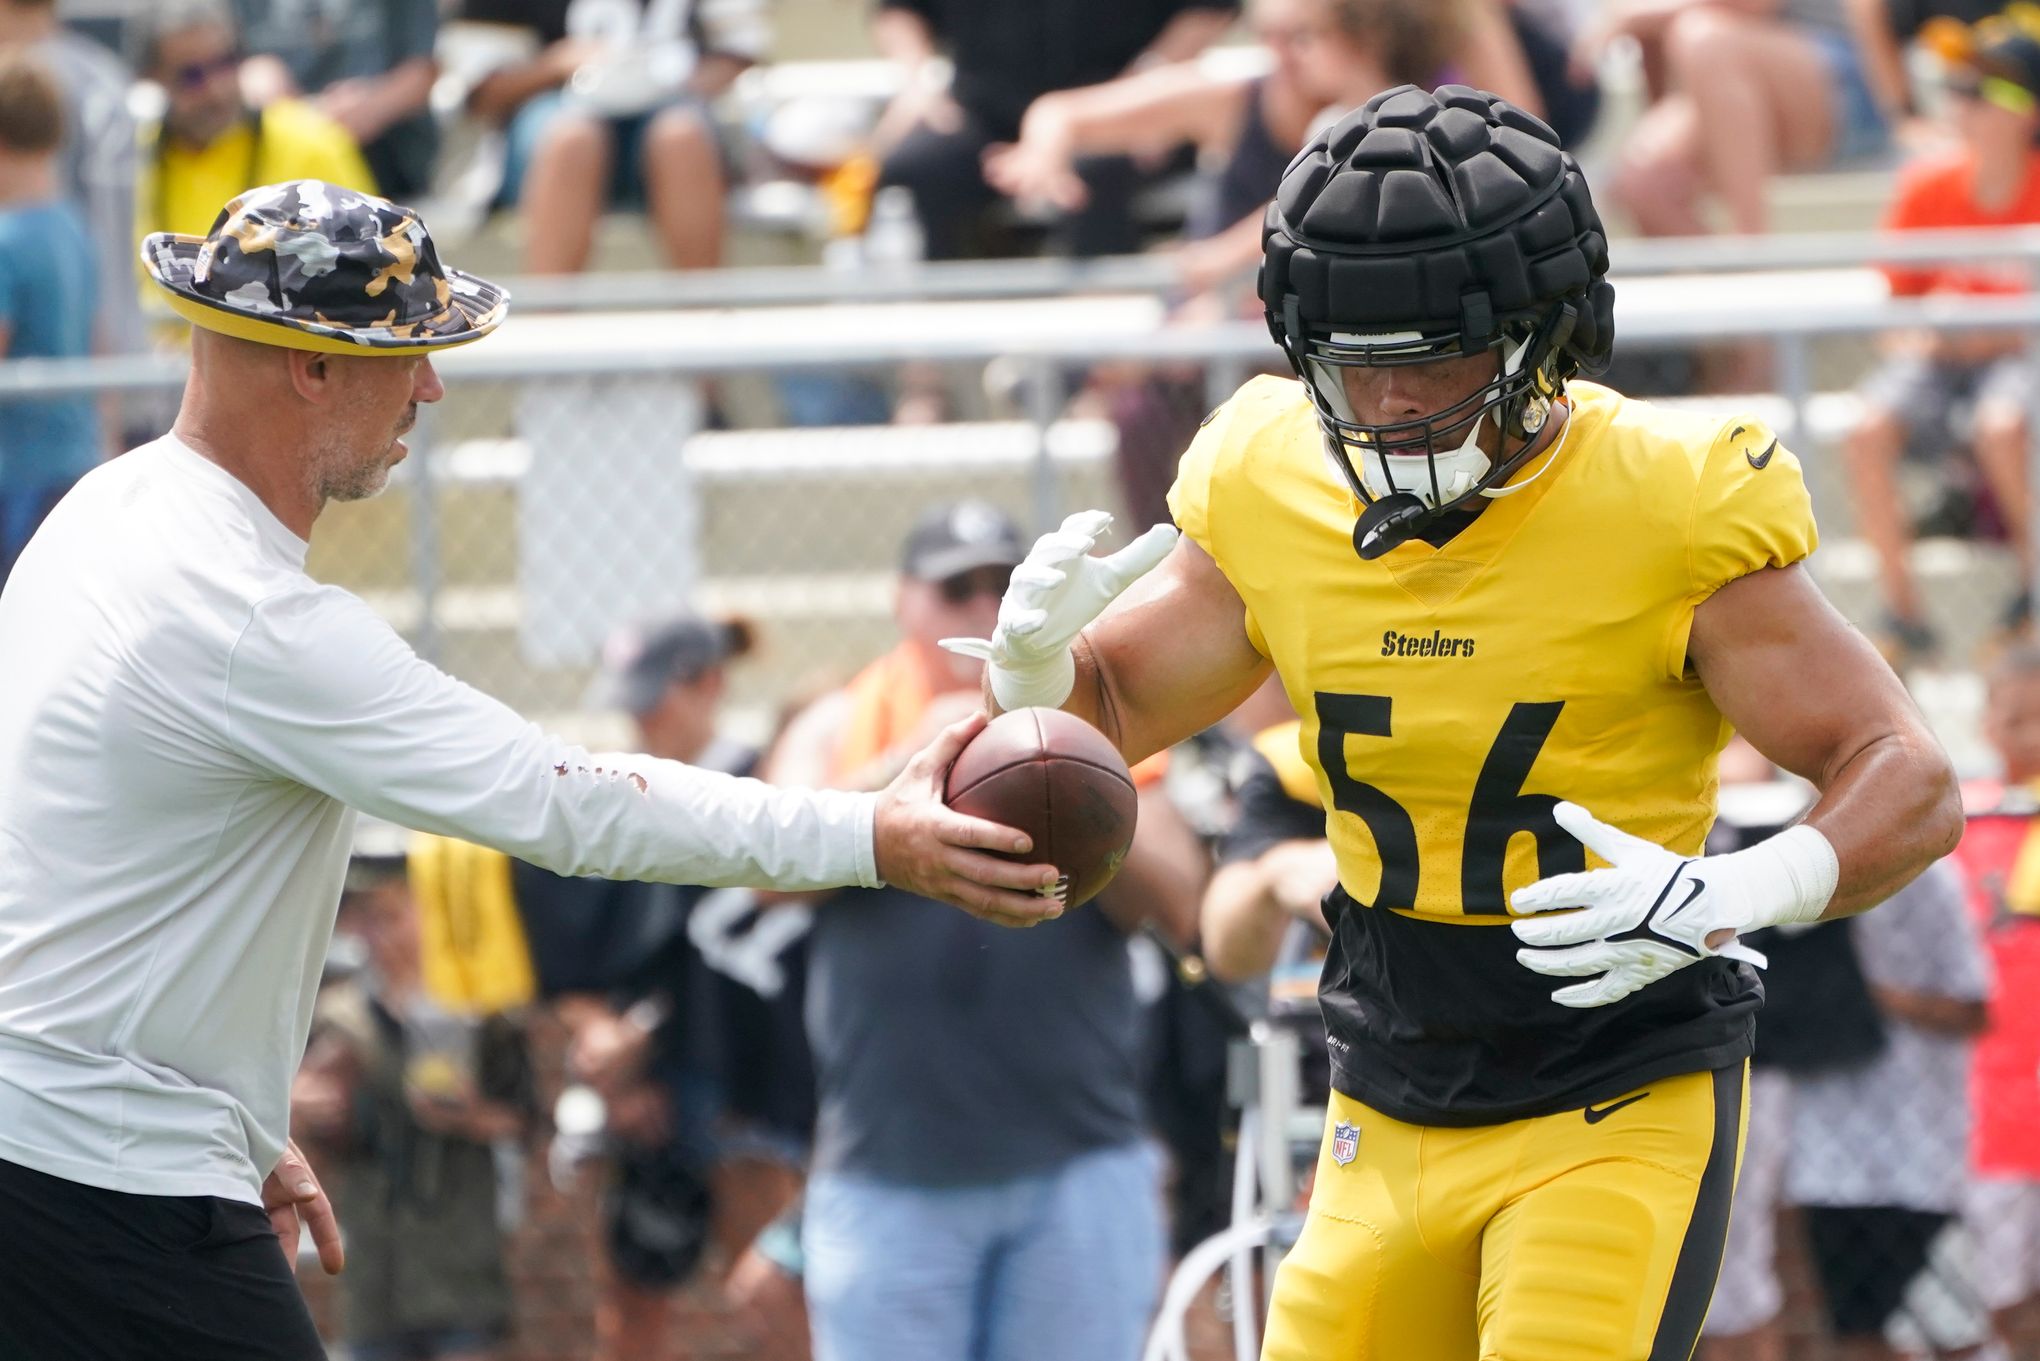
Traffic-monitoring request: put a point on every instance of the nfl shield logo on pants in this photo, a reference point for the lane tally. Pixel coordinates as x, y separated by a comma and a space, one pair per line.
1345, 1142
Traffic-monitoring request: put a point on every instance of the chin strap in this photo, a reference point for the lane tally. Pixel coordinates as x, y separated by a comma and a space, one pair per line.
1557, 447
1388, 522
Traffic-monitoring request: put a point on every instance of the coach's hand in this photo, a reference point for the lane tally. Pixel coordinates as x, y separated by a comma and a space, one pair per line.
294, 1199
1059, 589
927, 848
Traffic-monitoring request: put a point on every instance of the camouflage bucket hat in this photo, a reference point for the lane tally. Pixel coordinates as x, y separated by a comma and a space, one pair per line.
312, 266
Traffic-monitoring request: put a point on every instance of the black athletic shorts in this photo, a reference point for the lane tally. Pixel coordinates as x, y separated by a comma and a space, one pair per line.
94, 1275
1867, 1255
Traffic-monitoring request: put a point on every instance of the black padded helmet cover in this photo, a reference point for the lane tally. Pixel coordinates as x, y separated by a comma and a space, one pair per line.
1449, 212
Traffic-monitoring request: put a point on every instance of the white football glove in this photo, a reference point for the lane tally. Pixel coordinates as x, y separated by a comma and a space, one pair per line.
1649, 914
1057, 591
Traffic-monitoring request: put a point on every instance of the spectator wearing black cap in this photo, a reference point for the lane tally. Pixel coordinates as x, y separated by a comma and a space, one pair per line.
706, 1084
982, 1185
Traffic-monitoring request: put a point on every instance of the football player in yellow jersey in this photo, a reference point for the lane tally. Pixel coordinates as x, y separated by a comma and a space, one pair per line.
1519, 616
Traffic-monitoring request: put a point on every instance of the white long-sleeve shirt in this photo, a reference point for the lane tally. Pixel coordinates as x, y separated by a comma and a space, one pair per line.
187, 721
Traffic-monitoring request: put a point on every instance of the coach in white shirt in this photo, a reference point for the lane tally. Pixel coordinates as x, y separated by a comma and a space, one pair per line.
187, 721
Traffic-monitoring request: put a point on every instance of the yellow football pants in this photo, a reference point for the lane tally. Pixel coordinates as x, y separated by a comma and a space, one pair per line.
1557, 1238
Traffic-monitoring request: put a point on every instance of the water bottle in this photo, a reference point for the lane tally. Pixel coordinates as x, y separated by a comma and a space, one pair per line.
892, 239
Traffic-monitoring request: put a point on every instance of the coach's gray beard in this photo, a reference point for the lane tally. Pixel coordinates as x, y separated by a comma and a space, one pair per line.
336, 474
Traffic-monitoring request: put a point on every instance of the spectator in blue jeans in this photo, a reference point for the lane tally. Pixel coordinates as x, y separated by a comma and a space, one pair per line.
610, 110
983, 1186
47, 297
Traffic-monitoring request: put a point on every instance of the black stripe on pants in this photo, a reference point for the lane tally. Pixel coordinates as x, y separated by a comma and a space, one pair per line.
1699, 1264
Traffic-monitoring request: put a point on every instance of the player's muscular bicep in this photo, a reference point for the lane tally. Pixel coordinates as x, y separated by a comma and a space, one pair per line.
1791, 675
1807, 691
1170, 658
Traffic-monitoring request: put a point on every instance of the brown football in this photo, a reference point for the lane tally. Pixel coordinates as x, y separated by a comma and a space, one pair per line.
1061, 781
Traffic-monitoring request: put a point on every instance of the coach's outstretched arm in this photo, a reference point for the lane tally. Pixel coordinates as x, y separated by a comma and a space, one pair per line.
1149, 644
323, 692
1811, 694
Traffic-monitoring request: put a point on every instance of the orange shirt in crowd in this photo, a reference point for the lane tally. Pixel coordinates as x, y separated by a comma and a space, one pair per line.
1936, 192
1999, 854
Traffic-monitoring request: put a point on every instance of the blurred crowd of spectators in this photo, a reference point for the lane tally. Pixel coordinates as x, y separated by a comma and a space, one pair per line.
891, 1128
1162, 124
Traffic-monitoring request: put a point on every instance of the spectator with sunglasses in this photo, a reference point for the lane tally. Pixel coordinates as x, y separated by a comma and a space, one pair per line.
983, 1184
210, 144
1937, 391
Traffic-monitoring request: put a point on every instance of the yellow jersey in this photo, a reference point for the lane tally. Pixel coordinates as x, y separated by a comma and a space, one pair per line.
1451, 695
183, 188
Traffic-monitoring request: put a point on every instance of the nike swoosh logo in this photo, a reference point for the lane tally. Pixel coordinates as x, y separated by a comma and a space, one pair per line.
1691, 893
1763, 460
1596, 1114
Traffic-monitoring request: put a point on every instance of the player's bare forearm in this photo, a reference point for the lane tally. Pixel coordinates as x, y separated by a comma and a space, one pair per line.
1890, 809
1810, 693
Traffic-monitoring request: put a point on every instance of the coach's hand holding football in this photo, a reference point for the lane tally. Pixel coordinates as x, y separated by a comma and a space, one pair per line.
927, 848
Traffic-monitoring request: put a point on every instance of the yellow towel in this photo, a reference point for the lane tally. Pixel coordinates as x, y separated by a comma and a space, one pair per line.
471, 941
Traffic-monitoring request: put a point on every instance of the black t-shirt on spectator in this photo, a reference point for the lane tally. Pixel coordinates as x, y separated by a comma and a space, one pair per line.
1907, 17
326, 41
629, 941
1268, 814
548, 19
1008, 54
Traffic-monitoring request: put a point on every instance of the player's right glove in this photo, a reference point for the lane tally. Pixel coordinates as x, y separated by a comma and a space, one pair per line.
1054, 593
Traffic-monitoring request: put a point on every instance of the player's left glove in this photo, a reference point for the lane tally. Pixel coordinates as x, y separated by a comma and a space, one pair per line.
1651, 911
1059, 589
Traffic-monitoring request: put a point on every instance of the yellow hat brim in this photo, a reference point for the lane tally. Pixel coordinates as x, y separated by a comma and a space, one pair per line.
170, 261
246, 326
